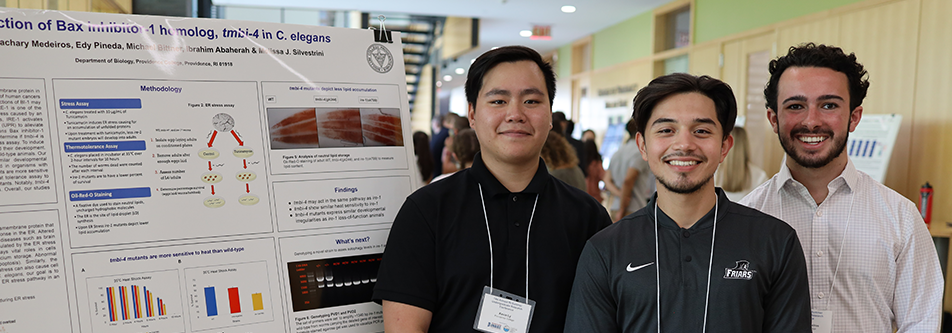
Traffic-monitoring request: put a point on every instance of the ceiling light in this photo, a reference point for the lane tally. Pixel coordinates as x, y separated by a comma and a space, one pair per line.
525, 33
460, 70
439, 84
447, 78
568, 9
471, 61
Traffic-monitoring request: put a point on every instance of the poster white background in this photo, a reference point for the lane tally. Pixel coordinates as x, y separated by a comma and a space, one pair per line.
143, 186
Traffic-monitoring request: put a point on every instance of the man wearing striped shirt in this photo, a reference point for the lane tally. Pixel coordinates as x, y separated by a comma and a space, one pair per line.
871, 262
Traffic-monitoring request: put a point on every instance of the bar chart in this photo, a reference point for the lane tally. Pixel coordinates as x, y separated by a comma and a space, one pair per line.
332, 282
144, 301
229, 295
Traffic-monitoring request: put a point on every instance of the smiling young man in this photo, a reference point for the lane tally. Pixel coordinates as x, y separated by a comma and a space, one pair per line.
692, 260
872, 264
501, 227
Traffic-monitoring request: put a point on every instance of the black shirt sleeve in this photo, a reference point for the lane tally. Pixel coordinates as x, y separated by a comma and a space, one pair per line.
591, 305
787, 306
408, 271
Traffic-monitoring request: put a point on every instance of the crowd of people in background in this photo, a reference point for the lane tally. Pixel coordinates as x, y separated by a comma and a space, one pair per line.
680, 183
579, 163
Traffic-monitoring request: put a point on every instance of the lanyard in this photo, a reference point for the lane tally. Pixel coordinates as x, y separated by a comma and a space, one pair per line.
842, 244
707, 296
488, 234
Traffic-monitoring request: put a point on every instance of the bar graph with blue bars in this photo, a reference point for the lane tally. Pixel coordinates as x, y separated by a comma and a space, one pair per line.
211, 305
863, 148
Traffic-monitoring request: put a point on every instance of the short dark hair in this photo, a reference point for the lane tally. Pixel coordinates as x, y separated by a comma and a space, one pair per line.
663, 86
823, 56
632, 127
487, 61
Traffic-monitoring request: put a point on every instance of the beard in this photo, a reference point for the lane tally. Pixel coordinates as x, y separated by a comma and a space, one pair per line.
813, 161
683, 187
682, 184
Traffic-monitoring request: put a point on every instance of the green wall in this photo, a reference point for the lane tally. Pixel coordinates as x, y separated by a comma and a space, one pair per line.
628, 40
565, 62
714, 19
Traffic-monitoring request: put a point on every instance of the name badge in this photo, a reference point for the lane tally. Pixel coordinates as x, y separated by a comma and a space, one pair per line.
822, 321
503, 312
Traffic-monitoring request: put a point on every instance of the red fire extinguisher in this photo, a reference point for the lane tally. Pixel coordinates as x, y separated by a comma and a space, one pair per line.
925, 203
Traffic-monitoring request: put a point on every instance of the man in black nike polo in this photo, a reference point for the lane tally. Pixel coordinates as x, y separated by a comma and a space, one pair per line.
691, 260
504, 223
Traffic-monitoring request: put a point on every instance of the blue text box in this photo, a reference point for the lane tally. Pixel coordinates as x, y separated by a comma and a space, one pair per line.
100, 103
85, 147
119, 193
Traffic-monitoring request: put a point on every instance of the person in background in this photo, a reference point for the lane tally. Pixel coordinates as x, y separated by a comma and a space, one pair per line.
890, 277
438, 142
737, 176
576, 144
629, 179
558, 122
593, 163
505, 224
561, 161
424, 161
465, 147
588, 135
448, 163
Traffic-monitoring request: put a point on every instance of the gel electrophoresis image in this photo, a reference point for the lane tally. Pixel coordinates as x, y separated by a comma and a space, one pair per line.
325, 283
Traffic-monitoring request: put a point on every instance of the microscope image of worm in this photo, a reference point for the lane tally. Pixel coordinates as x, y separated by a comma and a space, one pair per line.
383, 128
299, 128
343, 125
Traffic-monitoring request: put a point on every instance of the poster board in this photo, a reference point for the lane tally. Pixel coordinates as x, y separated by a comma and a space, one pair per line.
870, 146
164, 174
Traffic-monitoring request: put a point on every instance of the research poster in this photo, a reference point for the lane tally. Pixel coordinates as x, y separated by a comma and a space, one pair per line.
870, 146
170, 175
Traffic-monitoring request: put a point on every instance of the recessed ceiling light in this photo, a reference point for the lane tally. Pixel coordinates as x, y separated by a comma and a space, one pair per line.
439, 84
460, 70
568, 9
525, 33
447, 78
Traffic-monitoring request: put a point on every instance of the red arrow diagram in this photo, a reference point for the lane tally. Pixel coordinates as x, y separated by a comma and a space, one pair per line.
247, 189
240, 143
213, 189
245, 163
209, 165
213, 138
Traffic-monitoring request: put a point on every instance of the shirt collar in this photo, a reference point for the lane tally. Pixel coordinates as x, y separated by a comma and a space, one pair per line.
492, 187
705, 222
849, 176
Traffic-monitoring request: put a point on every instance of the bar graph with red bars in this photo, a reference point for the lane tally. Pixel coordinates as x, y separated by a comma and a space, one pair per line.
111, 298
233, 301
135, 302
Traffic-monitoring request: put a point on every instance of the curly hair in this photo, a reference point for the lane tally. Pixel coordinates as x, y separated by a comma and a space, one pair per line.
823, 56
557, 152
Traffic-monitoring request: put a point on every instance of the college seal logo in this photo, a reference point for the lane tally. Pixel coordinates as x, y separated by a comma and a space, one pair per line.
741, 271
379, 58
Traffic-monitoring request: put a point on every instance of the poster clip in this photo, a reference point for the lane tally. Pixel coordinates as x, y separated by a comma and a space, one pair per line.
382, 35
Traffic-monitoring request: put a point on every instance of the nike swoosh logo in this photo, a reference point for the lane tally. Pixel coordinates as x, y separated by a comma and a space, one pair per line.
632, 269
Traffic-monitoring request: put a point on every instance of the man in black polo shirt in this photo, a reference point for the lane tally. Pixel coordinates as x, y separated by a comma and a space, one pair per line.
504, 223
691, 258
